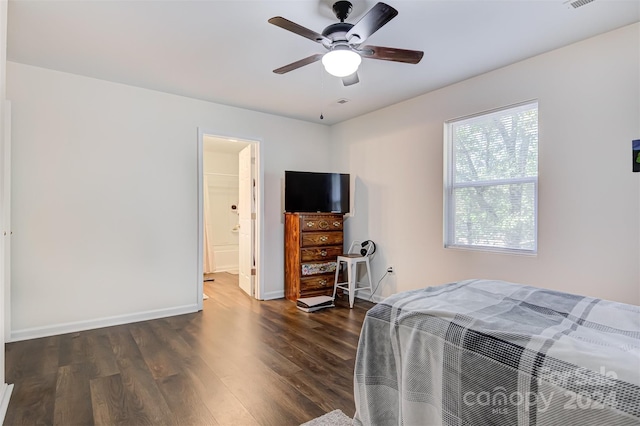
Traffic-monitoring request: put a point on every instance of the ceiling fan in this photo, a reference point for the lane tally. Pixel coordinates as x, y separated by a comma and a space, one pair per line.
344, 42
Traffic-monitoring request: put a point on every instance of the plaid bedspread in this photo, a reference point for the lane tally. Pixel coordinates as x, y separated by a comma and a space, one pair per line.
484, 352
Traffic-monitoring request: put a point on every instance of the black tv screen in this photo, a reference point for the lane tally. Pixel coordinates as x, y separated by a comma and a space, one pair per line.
306, 192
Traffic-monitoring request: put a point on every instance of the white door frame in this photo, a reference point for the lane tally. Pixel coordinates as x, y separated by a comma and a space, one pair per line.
259, 285
5, 198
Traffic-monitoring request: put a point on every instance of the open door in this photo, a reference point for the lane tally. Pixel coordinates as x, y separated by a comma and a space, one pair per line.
247, 215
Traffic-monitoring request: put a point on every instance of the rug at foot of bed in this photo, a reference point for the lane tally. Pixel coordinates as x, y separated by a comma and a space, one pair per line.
333, 418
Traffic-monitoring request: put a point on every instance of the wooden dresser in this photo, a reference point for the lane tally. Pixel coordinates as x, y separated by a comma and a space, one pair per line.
312, 241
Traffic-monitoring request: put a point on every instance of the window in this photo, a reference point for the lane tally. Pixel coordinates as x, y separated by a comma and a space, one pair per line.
491, 180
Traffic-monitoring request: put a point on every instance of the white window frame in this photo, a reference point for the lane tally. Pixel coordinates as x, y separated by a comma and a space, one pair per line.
450, 185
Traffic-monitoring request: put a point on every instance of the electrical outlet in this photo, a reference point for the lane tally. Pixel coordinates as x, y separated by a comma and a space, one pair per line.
390, 269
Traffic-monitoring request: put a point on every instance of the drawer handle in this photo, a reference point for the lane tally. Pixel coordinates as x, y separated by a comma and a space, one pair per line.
324, 238
323, 253
323, 224
336, 224
310, 224
322, 282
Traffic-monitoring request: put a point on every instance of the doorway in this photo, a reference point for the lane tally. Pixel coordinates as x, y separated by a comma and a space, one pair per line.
229, 211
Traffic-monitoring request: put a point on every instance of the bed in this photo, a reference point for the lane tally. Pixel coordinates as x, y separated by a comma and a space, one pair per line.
482, 352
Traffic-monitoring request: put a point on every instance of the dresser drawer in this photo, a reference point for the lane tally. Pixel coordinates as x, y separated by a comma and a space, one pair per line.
311, 239
323, 253
316, 282
312, 222
317, 268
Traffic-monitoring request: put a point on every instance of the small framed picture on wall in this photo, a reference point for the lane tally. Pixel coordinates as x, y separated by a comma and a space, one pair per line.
636, 155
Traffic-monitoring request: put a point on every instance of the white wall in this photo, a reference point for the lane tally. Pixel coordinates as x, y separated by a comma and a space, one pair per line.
220, 162
589, 110
105, 198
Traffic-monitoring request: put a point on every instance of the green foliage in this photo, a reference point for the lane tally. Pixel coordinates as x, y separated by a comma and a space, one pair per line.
490, 151
498, 148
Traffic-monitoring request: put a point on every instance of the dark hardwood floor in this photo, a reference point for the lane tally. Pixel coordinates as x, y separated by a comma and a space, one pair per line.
238, 362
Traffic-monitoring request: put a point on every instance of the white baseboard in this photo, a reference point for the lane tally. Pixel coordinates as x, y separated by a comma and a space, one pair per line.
366, 295
72, 327
4, 402
231, 269
273, 295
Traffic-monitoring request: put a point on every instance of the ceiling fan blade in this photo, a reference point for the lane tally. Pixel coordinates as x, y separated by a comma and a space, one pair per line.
297, 64
351, 79
288, 25
391, 54
375, 18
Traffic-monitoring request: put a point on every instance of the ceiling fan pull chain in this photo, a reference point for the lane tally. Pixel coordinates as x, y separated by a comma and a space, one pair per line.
321, 90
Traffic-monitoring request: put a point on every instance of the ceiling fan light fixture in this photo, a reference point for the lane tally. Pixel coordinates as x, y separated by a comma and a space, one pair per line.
341, 61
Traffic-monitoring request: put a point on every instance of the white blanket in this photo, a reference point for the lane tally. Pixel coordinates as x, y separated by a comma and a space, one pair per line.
494, 353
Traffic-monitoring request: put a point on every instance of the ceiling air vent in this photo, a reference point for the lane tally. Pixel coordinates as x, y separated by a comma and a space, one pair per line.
578, 3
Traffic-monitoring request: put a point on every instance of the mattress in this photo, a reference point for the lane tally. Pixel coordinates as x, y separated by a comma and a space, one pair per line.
482, 352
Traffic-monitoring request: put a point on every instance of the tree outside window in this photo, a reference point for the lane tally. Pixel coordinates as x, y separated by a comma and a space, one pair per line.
491, 180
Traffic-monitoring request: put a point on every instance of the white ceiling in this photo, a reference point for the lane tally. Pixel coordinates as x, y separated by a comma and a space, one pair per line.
225, 51
222, 145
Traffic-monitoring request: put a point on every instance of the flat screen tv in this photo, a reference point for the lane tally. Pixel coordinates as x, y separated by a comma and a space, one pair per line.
311, 192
